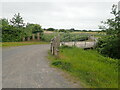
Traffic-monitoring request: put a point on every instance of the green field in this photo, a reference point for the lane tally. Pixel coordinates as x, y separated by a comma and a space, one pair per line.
88, 67
10, 44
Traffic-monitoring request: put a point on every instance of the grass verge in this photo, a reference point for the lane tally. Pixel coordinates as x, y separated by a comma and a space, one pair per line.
88, 66
11, 44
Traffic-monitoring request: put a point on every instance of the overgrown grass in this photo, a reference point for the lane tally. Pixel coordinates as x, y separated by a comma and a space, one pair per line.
10, 44
91, 68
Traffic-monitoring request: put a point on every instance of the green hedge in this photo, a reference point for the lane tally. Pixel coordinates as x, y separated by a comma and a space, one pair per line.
11, 35
109, 46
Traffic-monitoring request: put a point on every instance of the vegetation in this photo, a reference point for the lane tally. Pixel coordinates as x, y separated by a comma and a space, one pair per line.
15, 29
66, 37
47, 37
91, 68
50, 29
110, 44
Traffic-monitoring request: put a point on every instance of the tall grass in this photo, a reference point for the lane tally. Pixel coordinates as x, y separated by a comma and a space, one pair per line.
88, 66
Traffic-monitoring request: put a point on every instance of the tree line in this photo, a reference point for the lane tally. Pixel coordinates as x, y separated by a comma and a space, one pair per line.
13, 30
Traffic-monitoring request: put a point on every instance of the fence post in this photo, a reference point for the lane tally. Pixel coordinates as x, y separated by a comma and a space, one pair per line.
28, 38
23, 39
33, 36
38, 36
51, 48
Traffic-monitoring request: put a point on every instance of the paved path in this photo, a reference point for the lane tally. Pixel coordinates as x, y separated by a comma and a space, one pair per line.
28, 67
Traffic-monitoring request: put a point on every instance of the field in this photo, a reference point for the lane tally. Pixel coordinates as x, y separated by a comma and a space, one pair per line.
88, 67
9, 44
49, 32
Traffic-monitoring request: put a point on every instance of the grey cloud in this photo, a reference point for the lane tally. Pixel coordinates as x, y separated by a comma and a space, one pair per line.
79, 15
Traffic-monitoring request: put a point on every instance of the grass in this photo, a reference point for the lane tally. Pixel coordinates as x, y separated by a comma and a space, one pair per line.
88, 66
10, 44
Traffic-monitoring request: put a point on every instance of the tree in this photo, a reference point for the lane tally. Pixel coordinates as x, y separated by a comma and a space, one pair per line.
72, 30
50, 29
62, 30
34, 28
112, 26
37, 28
17, 20
9, 32
4, 22
110, 44
15, 29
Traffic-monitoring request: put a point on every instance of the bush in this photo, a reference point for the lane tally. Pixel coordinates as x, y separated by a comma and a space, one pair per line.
11, 34
109, 46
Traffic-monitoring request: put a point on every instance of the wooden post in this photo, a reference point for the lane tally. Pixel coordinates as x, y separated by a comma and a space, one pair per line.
51, 47
38, 36
23, 39
33, 36
28, 38
55, 47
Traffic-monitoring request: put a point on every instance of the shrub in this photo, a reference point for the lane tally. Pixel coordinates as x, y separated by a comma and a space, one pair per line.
11, 34
109, 46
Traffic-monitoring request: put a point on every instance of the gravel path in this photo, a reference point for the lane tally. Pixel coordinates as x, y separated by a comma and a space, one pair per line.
28, 67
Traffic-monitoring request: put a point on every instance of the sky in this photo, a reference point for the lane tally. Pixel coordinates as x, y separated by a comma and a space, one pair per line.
60, 14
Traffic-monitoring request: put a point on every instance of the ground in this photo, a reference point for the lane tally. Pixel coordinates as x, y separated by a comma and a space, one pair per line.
28, 67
